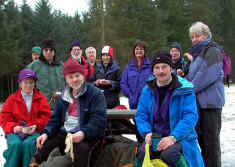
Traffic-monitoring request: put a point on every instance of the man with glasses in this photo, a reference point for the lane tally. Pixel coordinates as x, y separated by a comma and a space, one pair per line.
76, 54
49, 70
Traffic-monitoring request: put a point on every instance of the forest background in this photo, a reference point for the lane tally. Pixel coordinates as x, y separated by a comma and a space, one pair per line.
119, 23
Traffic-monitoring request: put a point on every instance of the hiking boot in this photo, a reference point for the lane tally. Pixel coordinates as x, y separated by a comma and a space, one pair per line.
33, 163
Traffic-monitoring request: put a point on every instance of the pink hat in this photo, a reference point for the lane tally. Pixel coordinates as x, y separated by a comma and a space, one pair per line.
72, 66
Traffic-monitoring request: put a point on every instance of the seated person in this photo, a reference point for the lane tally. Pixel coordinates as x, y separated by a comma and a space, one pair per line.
24, 114
80, 112
167, 107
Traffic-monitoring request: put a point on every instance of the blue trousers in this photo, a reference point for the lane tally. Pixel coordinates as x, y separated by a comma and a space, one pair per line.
19, 152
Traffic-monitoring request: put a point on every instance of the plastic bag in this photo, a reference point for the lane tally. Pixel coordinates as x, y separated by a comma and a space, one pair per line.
154, 162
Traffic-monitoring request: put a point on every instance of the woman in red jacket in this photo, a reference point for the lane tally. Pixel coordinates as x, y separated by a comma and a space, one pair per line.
24, 114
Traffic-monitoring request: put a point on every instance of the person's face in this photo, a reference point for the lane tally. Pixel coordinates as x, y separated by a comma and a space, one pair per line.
105, 58
175, 54
48, 54
35, 55
91, 56
162, 72
76, 51
139, 52
27, 85
198, 37
74, 80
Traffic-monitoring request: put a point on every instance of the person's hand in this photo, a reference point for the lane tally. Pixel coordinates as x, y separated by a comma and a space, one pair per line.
17, 129
32, 129
189, 56
106, 82
78, 136
166, 142
148, 139
180, 72
41, 140
97, 82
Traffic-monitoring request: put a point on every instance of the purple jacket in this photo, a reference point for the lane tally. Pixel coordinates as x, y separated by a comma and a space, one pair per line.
134, 80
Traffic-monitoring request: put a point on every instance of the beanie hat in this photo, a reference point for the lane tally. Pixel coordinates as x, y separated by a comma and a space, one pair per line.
72, 66
36, 49
48, 44
75, 43
162, 56
26, 73
177, 46
108, 50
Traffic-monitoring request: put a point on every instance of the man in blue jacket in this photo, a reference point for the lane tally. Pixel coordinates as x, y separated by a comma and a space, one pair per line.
167, 114
80, 112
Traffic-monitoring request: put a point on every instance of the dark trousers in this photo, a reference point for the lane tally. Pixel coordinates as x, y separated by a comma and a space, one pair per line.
209, 136
81, 150
171, 155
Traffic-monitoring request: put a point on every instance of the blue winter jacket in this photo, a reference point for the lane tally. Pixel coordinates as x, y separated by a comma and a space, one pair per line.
206, 74
134, 80
183, 117
91, 111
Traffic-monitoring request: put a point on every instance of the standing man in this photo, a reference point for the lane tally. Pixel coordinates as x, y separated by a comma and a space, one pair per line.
48, 69
36, 51
167, 115
76, 54
181, 66
91, 55
80, 111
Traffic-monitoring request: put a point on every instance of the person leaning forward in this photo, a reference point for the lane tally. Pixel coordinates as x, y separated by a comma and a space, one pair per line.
167, 115
80, 112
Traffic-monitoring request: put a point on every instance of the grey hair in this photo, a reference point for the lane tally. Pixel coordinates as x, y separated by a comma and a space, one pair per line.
90, 48
200, 28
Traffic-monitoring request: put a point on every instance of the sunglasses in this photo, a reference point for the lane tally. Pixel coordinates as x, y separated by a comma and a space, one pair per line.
48, 49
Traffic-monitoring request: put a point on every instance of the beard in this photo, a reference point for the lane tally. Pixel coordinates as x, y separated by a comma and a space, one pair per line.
78, 56
77, 87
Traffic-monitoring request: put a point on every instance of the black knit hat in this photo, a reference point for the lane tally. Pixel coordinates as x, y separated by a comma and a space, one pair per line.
162, 56
48, 44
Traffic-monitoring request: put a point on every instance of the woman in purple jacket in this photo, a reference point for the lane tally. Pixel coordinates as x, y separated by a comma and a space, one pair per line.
135, 74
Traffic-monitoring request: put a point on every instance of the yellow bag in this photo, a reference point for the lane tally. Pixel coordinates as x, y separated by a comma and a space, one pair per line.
154, 162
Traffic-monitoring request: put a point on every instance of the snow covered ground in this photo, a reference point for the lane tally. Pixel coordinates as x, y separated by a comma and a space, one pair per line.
227, 132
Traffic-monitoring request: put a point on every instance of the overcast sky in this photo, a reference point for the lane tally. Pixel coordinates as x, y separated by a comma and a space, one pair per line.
66, 6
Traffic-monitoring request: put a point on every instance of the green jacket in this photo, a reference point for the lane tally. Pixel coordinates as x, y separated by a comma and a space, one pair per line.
50, 77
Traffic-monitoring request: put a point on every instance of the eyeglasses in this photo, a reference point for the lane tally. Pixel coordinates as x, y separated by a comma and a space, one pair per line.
48, 49
139, 48
76, 50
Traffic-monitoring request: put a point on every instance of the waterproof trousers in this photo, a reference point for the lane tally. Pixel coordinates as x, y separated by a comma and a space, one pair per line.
209, 136
19, 152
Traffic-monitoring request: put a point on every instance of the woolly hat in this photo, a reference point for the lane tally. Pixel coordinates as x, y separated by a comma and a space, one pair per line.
26, 73
36, 49
177, 46
108, 50
48, 44
75, 43
72, 66
162, 56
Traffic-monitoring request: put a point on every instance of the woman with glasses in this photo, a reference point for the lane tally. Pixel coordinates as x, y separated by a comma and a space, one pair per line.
24, 114
135, 74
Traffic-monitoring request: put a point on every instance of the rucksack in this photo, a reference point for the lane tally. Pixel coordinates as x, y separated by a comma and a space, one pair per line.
227, 62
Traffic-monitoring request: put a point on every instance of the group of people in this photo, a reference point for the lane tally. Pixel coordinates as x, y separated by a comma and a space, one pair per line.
178, 98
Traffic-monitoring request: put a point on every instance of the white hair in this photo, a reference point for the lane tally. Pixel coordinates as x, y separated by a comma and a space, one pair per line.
90, 48
200, 28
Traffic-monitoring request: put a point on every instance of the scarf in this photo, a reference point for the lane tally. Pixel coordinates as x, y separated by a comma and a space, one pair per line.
197, 48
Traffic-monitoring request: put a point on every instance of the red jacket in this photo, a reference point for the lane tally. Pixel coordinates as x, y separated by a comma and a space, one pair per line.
15, 110
88, 68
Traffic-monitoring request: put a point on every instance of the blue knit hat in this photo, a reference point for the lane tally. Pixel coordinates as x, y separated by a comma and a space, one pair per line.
75, 43
177, 46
